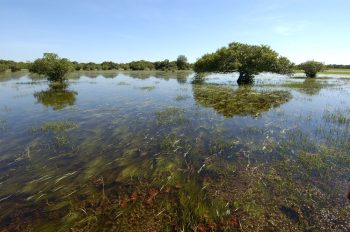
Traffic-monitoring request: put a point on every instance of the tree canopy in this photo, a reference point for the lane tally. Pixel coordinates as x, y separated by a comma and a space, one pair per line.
182, 63
311, 68
248, 60
54, 67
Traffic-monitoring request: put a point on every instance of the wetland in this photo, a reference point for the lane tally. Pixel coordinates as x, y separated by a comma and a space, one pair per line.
160, 151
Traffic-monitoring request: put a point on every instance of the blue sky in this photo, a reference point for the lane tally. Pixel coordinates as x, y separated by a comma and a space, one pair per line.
125, 30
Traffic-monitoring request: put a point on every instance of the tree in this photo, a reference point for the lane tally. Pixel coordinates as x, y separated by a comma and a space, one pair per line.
165, 65
311, 68
54, 67
248, 60
182, 63
3, 67
141, 65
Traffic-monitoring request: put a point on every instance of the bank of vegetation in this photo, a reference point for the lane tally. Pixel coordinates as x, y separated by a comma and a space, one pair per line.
247, 60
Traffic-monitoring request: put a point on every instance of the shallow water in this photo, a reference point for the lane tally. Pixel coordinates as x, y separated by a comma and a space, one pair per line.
156, 151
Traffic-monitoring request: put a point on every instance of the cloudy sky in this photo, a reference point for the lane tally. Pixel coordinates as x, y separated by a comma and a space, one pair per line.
125, 30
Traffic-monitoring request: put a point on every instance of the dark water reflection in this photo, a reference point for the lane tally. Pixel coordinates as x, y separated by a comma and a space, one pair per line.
143, 151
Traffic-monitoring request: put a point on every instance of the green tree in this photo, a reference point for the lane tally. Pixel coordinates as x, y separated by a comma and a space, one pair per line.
165, 65
3, 67
311, 68
182, 63
248, 60
54, 67
141, 65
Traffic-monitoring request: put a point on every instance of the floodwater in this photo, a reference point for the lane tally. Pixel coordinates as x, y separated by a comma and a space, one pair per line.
157, 151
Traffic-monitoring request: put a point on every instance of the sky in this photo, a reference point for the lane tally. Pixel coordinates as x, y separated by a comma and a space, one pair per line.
126, 30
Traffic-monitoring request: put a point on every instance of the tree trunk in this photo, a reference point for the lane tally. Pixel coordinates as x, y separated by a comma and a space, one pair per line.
245, 79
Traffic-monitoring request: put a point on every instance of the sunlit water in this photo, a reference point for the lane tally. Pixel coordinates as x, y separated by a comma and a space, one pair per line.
155, 151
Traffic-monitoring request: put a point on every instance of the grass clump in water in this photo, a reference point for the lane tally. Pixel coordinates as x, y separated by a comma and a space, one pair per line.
336, 117
56, 126
123, 83
58, 129
309, 86
148, 88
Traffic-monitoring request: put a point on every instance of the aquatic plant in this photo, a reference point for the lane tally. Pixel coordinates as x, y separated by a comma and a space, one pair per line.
148, 88
171, 116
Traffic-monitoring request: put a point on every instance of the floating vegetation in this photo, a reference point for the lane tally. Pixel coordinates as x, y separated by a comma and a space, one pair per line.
123, 83
148, 88
310, 86
242, 101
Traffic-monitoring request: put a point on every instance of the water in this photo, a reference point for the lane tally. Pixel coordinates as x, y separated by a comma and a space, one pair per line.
156, 151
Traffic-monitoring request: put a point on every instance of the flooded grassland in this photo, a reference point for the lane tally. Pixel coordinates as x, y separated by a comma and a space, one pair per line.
156, 151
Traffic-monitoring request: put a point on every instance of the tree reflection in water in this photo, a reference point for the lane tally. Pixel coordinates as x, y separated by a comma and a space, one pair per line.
243, 100
57, 96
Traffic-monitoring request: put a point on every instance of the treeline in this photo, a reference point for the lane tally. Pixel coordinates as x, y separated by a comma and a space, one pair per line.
339, 66
13, 65
180, 64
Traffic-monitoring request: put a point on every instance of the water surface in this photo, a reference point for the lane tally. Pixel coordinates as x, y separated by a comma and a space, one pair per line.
157, 151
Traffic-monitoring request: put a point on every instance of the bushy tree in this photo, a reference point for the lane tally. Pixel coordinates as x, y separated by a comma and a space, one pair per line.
248, 60
141, 65
165, 65
311, 68
15, 67
54, 67
3, 67
182, 63
109, 65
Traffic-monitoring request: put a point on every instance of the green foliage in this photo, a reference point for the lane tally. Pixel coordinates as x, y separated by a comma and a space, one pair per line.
15, 67
54, 67
248, 60
109, 65
165, 65
182, 63
311, 68
3, 67
141, 65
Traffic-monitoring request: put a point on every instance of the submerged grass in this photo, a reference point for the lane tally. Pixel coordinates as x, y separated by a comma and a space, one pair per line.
337, 116
171, 116
148, 88
123, 83
3, 124
181, 97
56, 126
59, 130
